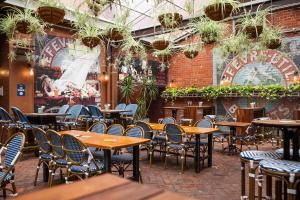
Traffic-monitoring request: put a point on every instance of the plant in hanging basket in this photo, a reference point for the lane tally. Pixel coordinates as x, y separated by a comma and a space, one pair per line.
271, 38
51, 11
191, 51
218, 10
133, 48
97, 5
170, 20
209, 31
235, 44
89, 35
160, 44
163, 55
115, 34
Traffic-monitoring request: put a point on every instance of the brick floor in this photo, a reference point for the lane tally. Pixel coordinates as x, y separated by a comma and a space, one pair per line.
221, 181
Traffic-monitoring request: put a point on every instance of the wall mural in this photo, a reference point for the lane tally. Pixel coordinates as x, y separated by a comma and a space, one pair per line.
259, 68
66, 73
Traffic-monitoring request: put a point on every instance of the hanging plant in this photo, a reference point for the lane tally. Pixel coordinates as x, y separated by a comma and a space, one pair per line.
90, 35
170, 20
23, 21
218, 10
163, 55
252, 25
209, 31
235, 44
132, 47
127, 88
191, 51
51, 11
98, 5
271, 37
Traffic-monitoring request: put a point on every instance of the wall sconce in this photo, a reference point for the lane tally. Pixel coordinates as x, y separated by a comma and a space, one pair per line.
224, 81
296, 78
104, 77
31, 70
171, 84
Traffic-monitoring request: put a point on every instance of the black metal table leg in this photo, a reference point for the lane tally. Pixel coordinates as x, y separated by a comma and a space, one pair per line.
286, 144
210, 147
174, 113
45, 172
197, 154
107, 160
296, 145
136, 163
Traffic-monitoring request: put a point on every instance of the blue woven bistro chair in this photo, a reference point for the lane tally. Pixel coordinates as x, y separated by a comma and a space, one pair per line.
222, 135
62, 110
167, 120
96, 113
58, 155
120, 106
13, 151
175, 143
123, 160
100, 128
72, 119
45, 156
115, 129
7, 124
80, 160
130, 115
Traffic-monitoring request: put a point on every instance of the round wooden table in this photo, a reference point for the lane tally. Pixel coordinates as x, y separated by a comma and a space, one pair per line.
290, 130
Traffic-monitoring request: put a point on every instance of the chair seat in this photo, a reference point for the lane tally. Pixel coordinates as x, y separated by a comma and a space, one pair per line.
259, 155
10, 125
178, 146
83, 167
98, 154
280, 151
283, 166
62, 162
122, 158
220, 134
161, 138
8, 177
47, 157
192, 143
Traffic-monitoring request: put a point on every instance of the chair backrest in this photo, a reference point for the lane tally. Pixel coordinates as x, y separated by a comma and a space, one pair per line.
174, 133
14, 147
115, 129
63, 109
204, 123
74, 149
56, 144
148, 131
167, 120
98, 127
19, 115
74, 112
120, 106
95, 111
132, 110
135, 131
85, 111
4, 115
42, 140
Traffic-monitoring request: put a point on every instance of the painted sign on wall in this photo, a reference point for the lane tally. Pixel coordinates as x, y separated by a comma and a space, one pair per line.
66, 73
260, 68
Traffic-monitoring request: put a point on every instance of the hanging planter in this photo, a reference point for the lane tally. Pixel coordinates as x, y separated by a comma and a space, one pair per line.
52, 15
23, 27
253, 31
160, 44
192, 50
170, 20
114, 34
91, 42
218, 12
163, 55
191, 54
271, 37
274, 44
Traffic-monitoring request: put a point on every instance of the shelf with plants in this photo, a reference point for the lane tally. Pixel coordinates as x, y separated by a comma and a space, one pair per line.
269, 92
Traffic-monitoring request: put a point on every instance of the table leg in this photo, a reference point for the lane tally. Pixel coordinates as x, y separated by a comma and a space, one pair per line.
107, 160
45, 172
296, 145
174, 113
210, 147
286, 144
136, 163
197, 154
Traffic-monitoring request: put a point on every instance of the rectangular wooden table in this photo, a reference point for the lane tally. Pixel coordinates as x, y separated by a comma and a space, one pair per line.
44, 118
114, 114
105, 186
108, 143
197, 131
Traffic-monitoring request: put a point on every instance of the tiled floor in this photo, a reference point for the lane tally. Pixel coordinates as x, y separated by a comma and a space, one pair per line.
221, 181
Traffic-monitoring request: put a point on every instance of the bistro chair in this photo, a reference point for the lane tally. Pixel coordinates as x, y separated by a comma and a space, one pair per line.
58, 155
45, 156
95, 113
222, 135
123, 160
81, 162
130, 115
72, 119
100, 128
286, 171
62, 110
248, 138
115, 129
120, 106
167, 120
13, 151
252, 159
175, 143
7, 124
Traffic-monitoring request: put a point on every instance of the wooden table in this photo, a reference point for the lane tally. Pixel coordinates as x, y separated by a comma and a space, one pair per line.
198, 112
44, 118
290, 130
108, 143
115, 114
232, 125
197, 131
105, 186
174, 110
248, 114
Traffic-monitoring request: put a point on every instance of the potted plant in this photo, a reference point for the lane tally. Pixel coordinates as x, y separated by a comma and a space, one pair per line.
160, 42
97, 5
163, 55
234, 44
133, 47
252, 25
90, 35
127, 88
191, 51
51, 11
218, 10
209, 31
170, 20
271, 37
118, 30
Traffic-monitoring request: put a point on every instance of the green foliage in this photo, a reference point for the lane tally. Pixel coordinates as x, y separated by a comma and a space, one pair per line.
127, 88
270, 34
120, 24
80, 19
235, 44
253, 20
269, 92
132, 47
163, 53
217, 3
89, 30
8, 25
192, 48
209, 30
51, 3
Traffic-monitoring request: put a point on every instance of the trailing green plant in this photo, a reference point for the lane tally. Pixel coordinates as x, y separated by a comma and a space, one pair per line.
218, 3
132, 47
163, 54
80, 19
90, 30
127, 88
51, 3
170, 19
8, 25
220, 9
270, 37
148, 93
210, 31
269, 92
235, 44
192, 50
189, 6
